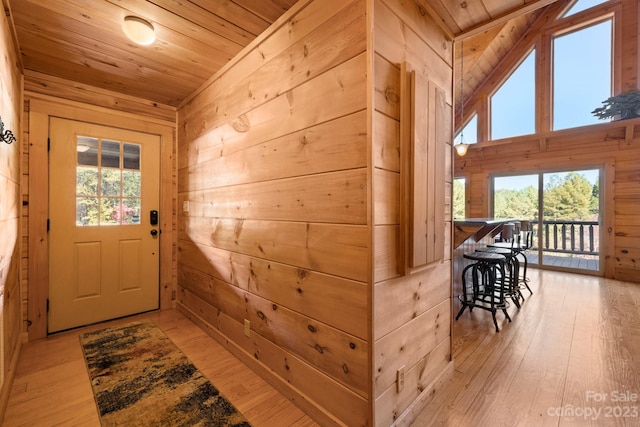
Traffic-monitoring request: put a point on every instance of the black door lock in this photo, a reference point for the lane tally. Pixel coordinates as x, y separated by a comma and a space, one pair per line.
153, 217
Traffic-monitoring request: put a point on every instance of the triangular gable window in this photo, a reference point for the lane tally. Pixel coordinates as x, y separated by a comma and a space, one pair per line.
581, 5
513, 105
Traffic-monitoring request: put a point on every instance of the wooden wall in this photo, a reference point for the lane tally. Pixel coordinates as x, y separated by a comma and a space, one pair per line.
10, 201
290, 196
274, 231
614, 147
412, 309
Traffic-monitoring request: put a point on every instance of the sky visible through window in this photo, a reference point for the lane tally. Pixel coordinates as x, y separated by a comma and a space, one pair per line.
582, 80
469, 134
582, 5
582, 75
513, 107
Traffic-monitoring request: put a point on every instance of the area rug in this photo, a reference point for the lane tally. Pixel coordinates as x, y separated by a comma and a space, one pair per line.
140, 378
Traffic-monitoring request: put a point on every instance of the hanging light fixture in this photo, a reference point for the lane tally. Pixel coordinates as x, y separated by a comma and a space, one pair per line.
461, 148
138, 30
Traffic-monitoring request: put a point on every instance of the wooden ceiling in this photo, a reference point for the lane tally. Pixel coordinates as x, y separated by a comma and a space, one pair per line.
82, 40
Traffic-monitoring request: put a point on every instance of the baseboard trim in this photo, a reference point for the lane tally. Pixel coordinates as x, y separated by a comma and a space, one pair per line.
308, 406
417, 406
7, 384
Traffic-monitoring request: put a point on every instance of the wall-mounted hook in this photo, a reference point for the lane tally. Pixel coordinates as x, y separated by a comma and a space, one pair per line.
6, 136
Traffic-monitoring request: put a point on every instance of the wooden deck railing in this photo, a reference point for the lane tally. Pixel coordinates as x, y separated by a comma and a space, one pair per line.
571, 237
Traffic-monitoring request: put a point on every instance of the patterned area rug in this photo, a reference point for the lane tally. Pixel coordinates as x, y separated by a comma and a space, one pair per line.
140, 378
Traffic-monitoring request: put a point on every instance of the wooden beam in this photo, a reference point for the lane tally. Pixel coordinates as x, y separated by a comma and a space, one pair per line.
629, 133
425, 7
501, 19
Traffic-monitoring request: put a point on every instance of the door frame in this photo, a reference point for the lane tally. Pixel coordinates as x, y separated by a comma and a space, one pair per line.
40, 110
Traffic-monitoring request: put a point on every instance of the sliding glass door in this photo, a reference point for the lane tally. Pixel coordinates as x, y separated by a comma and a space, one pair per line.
570, 229
564, 207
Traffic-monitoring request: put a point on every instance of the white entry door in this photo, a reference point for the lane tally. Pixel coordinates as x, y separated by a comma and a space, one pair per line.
104, 232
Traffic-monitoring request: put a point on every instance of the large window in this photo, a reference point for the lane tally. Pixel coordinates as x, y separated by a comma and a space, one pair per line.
561, 77
581, 59
513, 106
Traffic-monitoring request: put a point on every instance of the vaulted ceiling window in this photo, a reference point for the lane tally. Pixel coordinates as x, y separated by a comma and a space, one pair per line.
513, 105
581, 59
581, 5
556, 78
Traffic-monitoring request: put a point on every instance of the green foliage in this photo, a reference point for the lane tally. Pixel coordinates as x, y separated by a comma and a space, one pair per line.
621, 107
458, 199
595, 199
131, 183
569, 198
101, 201
87, 185
522, 204
110, 182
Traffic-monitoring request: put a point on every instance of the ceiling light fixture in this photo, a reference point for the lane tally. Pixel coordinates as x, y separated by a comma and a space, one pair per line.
461, 149
138, 30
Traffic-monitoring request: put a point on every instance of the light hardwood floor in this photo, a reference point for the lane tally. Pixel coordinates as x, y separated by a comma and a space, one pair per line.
574, 340
574, 344
52, 387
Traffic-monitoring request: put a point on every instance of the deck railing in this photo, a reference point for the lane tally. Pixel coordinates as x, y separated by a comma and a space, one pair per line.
570, 237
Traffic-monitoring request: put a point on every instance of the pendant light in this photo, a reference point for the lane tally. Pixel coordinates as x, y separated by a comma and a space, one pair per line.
461, 148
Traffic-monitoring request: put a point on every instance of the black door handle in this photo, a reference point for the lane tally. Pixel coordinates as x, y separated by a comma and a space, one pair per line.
154, 232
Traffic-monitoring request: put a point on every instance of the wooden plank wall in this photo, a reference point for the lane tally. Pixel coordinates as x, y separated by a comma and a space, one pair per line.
274, 236
615, 147
24, 223
10, 211
412, 306
60, 88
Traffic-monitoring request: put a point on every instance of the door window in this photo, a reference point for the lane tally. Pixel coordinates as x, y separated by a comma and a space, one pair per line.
108, 182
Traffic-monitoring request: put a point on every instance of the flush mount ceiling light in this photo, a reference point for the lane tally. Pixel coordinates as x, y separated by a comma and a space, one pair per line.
138, 30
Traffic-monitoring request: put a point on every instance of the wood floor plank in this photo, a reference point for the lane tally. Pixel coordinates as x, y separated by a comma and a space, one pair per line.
52, 385
575, 337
